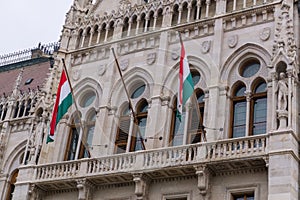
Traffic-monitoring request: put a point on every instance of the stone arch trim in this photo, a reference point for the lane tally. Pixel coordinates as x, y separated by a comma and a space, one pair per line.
170, 81
131, 78
86, 85
239, 55
13, 156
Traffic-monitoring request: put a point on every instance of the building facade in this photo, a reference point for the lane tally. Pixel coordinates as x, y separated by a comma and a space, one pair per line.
238, 135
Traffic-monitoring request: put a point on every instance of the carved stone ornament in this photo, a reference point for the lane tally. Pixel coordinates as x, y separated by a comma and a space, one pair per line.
101, 70
151, 57
124, 64
232, 41
76, 74
175, 54
205, 46
124, 5
265, 34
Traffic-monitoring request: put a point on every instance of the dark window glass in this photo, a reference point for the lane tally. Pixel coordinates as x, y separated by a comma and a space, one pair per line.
240, 92
261, 88
250, 69
239, 121
243, 197
196, 77
138, 92
88, 99
72, 144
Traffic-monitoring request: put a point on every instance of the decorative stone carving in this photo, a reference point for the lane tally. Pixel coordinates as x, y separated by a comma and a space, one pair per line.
203, 179
284, 38
175, 54
76, 74
265, 34
232, 41
101, 70
205, 46
124, 64
141, 186
151, 57
84, 189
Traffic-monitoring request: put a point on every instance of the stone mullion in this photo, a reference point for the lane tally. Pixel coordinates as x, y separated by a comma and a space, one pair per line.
130, 135
248, 112
179, 14
91, 37
99, 34
129, 27
207, 8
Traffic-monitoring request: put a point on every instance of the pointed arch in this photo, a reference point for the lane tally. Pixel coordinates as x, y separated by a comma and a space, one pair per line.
133, 79
246, 51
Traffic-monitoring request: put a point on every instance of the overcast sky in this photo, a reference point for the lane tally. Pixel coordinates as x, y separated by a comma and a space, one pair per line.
25, 23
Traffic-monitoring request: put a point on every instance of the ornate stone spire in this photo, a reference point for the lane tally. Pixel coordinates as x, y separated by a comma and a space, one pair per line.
284, 35
18, 83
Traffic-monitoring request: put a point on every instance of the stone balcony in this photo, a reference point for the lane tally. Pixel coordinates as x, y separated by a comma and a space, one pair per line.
223, 156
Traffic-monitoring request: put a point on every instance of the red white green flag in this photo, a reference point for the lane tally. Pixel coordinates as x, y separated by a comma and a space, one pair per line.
63, 101
185, 82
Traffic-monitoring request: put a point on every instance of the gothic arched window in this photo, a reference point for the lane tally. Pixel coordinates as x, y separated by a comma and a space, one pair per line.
239, 108
196, 128
140, 128
123, 130
258, 122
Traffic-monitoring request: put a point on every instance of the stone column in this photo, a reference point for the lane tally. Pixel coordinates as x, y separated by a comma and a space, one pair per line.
248, 98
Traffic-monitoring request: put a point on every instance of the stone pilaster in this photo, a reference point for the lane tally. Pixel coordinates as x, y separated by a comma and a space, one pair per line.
283, 166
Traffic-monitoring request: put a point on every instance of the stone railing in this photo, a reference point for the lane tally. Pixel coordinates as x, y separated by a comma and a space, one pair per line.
19, 56
228, 149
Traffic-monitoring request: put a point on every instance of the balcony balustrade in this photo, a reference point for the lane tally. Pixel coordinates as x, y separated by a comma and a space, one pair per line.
155, 159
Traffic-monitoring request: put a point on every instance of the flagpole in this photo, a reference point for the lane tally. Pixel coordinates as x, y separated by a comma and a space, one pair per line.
127, 94
79, 117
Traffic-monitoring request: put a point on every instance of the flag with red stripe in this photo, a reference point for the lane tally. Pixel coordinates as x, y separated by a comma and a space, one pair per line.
63, 101
185, 82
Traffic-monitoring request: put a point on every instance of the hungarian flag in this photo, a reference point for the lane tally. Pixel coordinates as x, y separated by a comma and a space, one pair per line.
185, 82
63, 101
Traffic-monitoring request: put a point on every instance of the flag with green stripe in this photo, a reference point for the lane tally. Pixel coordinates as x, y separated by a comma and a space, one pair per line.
63, 101
185, 82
